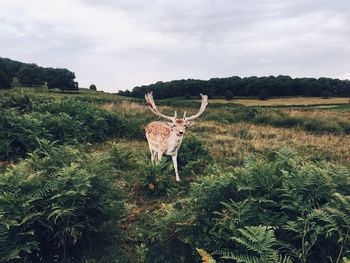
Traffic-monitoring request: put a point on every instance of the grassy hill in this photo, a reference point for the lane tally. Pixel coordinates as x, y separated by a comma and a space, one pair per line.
77, 184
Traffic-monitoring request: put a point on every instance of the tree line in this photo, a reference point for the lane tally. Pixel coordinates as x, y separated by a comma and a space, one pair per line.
262, 87
32, 75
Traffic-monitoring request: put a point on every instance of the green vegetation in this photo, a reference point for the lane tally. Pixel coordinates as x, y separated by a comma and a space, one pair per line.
270, 206
58, 205
258, 184
26, 119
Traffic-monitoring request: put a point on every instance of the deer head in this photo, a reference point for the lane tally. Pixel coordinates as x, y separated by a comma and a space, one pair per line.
179, 125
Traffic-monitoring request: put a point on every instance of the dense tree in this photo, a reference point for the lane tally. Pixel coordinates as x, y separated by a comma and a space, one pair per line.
30, 75
248, 86
93, 87
61, 78
326, 94
33, 75
10, 67
5, 82
187, 96
228, 95
263, 94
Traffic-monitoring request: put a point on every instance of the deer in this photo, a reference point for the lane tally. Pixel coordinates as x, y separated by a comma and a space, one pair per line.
166, 138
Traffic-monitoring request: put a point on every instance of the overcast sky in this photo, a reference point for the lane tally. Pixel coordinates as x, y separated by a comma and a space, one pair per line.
120, 44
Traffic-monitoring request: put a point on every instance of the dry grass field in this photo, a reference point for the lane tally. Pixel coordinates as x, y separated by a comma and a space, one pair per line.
230, 143
300, 101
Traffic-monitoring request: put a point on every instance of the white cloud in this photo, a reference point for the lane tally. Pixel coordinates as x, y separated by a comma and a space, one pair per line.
124, 43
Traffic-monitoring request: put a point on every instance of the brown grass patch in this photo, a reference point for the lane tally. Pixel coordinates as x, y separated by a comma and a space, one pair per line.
126, 107
239, 139
324, 114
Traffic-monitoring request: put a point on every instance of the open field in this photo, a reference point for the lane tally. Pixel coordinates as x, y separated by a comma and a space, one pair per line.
267, 170
293, 101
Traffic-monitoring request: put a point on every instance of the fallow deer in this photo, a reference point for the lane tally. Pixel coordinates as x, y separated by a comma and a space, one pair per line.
166, 138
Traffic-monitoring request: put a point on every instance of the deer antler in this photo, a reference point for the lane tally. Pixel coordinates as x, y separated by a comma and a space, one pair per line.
201, 109
151, 104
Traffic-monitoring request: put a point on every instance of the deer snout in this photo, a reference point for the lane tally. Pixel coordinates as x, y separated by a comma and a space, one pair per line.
181, 132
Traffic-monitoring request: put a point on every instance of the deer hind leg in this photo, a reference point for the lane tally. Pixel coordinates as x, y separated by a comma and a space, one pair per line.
174, 157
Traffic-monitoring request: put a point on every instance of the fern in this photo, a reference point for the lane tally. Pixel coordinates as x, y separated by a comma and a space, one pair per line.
120, 157
305, 232
236, 214
336, 216
258, 246
50, 207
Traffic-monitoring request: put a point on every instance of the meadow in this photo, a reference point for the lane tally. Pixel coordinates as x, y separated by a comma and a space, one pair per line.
259, 184
287, 101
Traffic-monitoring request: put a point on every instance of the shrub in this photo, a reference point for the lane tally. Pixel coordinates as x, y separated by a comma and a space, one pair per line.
154, 180
158, 180
62, 120
19, 133
164, 243
135, 127
120, 158
100, 124
192, 149
64, 128
22, 103
57, 206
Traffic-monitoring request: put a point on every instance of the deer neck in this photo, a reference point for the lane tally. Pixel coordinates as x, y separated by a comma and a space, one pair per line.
174, 143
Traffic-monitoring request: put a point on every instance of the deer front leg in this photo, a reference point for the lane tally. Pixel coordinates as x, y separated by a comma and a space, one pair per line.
153, 155
174, 157
159, 156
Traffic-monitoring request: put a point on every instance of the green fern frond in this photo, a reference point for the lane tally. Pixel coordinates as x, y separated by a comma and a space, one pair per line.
258, 244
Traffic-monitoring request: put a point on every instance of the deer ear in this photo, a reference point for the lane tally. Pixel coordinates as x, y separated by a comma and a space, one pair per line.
189, 123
